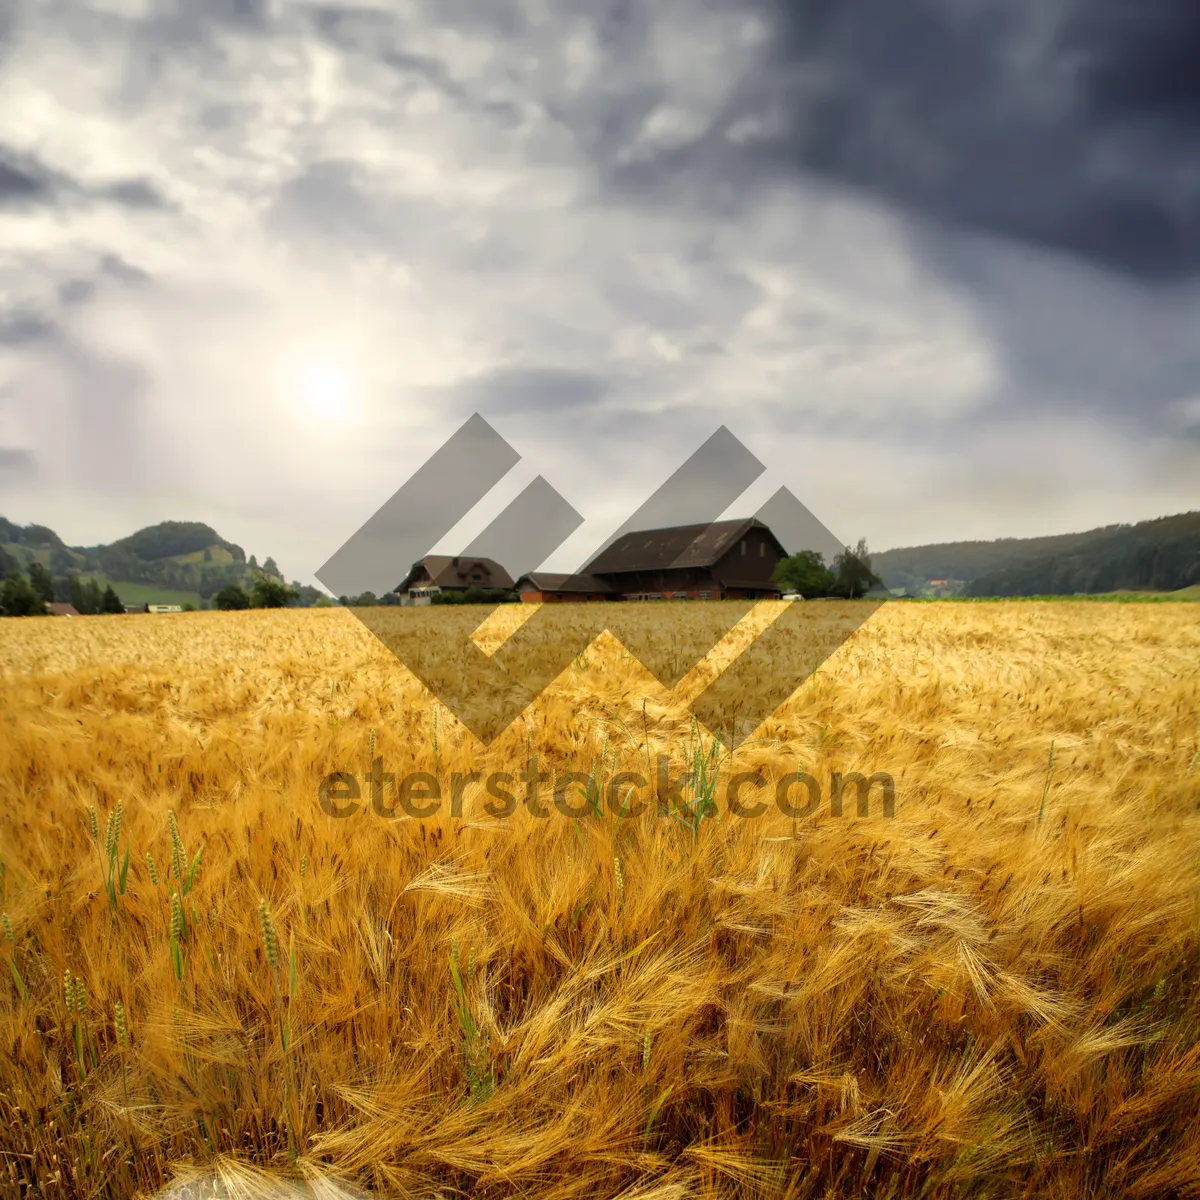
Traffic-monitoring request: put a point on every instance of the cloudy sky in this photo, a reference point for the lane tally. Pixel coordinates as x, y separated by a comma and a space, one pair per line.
936, 262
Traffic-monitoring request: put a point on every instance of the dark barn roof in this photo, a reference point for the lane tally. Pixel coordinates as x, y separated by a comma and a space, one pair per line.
544, 581
680, 546
454, 571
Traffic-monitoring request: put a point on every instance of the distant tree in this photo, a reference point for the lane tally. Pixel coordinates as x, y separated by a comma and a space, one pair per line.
271, 569
389, 598
475, 596
231, 598
308, 594
188, 606
110, 602
805, 573
40, 581
344, 601
61, 560
322, 602
62, 591
8, 564
271, 593
40, 535
366, 600
168, 538
853, 576
18, 599
253, 562
208, 554
86, 596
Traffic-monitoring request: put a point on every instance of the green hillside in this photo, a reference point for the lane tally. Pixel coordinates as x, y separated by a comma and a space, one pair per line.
148, 593
1162, 555
173, 562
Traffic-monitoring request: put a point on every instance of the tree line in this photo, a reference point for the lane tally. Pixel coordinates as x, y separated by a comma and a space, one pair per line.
1155, 556
28, 594
1158, 555
849, 577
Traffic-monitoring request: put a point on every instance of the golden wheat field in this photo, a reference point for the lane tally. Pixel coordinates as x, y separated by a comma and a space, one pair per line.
991, 992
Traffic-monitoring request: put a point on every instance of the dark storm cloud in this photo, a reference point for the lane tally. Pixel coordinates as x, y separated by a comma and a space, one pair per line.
110, 268
23, 327
115, 267
25, 182
378, 35
330, 199
1078, 339
134, 193
531, 390
1071, 124
1082, 135
15, 461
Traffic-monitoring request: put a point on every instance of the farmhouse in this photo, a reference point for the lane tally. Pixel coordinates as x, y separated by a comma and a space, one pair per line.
721, 560
62, 610
542, 587
442, 573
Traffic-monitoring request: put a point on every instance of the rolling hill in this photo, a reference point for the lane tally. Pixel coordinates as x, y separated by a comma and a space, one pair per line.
173, 562
1159, 555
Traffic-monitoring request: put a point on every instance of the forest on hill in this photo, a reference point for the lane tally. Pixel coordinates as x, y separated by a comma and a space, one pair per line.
173, 561
1158, 555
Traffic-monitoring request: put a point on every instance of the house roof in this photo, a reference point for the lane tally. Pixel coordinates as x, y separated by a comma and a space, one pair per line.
542, 581
679, 546
454, 571
62, 610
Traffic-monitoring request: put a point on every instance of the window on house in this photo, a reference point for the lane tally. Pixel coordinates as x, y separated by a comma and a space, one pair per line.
762, 549
743, 545
476, 576
706, 595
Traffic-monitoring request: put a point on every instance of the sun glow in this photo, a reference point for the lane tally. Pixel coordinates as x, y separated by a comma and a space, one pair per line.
325, 390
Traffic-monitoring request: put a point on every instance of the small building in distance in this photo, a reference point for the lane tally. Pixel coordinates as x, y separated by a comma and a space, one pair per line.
62, 610
446, 573
718, 560
164, 608
538, 587
133, 608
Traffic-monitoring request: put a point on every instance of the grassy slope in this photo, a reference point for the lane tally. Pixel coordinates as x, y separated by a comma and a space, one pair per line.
1120, 597
219, 555
147, 593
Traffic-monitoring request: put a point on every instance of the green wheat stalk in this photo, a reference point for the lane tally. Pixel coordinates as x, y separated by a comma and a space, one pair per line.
1046, 789
270, 942
480, 1081
12, 959
651, 1110
122, 1040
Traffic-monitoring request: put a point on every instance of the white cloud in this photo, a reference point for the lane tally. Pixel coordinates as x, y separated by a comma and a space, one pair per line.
413, 204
